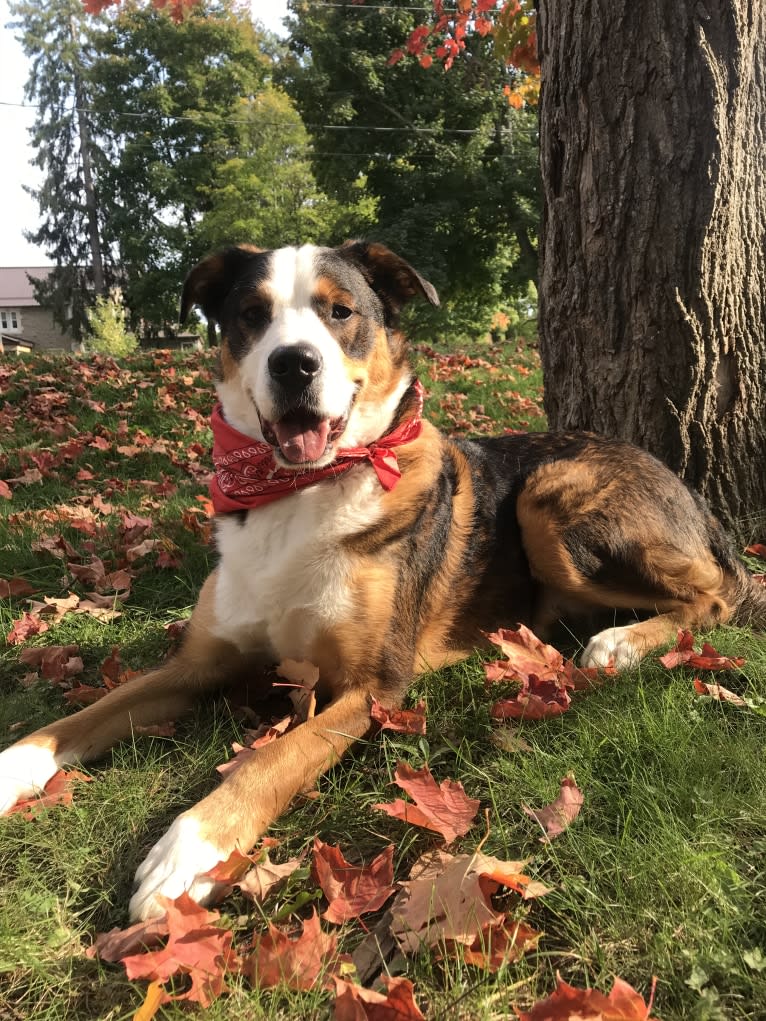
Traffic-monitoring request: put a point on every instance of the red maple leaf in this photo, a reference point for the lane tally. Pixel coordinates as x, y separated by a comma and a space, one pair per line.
297, 963
196, 948
566, 1003
355, 1003
758, 549
561, 813
541, 670
684, 654
27, 626
445, 808
57, 791
352, 890
407, 721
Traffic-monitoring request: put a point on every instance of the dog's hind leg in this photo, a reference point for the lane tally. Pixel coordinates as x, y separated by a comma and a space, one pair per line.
202, 663
634, 542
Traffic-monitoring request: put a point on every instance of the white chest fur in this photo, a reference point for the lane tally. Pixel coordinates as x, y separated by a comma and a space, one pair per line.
283, 574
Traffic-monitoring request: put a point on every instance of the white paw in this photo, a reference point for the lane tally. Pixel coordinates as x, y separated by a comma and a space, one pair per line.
24, 770
177, 862
611, 646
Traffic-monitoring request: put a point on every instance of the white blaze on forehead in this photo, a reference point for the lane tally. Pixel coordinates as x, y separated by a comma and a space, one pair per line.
292, 279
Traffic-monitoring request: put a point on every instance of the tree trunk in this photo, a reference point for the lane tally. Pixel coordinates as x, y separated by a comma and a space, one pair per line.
653, 246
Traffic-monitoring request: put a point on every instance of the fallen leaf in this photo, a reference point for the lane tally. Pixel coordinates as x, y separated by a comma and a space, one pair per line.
302, 677
709, 659
566, 1003
265, 735
718, 692
297, 963
406, 721
15, 587
152, 1002
445, 808
57, 791
57, 663
27, 626
5, 490
352, 890
561, 813
118, 943
758, 549
196, 948
265, 876
496, 945
355, 1003
526, 654
507, 739
447, 897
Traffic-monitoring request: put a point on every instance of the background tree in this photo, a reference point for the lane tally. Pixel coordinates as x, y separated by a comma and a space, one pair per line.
55, 35
168, 97
267, 194
653, 278
451, 165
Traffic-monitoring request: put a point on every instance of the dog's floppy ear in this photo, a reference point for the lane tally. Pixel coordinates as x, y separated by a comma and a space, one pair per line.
211, 280
392, 279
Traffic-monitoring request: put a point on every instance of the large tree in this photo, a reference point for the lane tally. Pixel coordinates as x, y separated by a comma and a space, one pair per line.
170, 98
653, 242
55, 36
452, 166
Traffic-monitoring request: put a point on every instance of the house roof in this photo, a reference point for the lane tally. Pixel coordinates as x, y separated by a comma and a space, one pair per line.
15, 289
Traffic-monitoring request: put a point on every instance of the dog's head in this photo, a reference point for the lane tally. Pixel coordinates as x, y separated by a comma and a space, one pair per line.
312, 359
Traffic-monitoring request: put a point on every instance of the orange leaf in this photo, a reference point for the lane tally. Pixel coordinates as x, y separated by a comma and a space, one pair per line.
57, 791
354, 1003
407, 721
196, 948
297, 963
561, 813
445, 808
566, 1003
27, 626
496, 945
352, 890
151, 1004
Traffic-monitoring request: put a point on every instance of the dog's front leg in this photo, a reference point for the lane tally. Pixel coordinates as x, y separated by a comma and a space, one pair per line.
235, 814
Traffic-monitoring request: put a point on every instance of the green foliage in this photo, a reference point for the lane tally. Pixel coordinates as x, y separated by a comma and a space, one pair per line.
452, 167
108, 333
168, 100
268, 195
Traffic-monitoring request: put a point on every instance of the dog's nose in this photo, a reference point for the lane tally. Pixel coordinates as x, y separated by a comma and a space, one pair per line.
294, 366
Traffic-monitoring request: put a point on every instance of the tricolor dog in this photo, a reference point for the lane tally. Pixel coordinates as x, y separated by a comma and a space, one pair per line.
353, 534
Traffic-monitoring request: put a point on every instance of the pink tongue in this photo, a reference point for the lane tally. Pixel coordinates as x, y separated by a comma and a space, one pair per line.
300, 444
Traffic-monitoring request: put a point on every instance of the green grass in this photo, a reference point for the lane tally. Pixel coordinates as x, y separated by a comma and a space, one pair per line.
664, 872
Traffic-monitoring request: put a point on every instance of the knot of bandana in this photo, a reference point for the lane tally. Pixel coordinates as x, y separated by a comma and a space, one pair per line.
247, 476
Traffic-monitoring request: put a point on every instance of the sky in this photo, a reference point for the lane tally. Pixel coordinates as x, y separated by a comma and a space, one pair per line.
18, 211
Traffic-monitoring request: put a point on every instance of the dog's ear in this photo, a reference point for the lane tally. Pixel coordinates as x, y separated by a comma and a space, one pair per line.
211, 280
392, 279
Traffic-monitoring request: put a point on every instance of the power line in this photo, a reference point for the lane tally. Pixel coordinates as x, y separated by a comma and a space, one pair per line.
412, 129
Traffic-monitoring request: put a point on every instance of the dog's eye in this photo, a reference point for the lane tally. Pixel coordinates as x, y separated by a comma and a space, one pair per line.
341, 312
255, 316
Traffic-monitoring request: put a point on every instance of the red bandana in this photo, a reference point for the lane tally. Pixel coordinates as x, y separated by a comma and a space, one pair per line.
247, 476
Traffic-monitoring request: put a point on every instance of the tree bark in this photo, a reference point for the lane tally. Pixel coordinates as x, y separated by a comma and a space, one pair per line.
653, 242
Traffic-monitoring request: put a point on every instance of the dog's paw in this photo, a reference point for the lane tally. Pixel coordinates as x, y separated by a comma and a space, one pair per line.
611, 647
25, 769
177, 862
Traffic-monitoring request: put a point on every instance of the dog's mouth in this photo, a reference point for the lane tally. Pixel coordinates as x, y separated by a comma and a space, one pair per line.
302, 436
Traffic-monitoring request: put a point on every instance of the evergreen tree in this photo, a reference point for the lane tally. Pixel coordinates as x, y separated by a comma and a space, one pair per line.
55, 35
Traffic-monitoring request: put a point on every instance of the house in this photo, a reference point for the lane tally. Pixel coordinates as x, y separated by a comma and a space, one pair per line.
26, 325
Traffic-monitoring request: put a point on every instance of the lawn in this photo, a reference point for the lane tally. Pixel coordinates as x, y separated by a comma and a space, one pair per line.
662, 874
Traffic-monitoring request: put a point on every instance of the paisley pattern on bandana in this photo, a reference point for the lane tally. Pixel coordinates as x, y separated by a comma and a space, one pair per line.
247, 476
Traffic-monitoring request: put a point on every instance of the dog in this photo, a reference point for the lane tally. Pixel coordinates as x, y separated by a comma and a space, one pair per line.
353, 534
